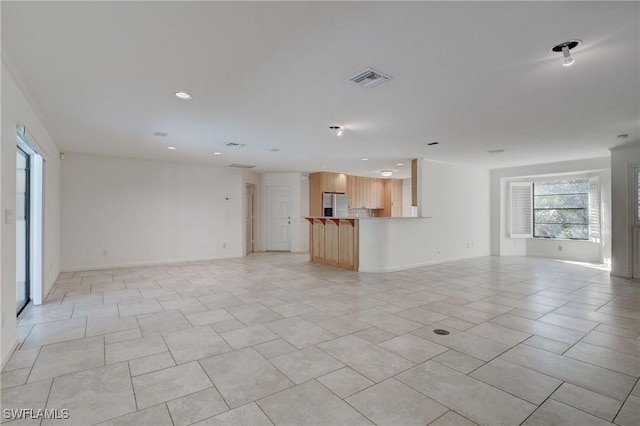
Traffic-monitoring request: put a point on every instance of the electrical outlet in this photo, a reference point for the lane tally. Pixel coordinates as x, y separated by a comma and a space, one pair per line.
559, 248
224, 245
439, 250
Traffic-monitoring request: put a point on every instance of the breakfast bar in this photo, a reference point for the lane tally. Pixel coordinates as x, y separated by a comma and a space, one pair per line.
377, 244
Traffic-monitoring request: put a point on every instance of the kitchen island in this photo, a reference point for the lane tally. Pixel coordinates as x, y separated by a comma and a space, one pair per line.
377, 244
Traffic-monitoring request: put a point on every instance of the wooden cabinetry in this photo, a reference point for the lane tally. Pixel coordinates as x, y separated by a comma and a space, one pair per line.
362, 192
352, 192
334, 242
324, 182
392, 198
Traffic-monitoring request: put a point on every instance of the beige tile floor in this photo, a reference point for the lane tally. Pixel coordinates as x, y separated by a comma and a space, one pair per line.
274, 339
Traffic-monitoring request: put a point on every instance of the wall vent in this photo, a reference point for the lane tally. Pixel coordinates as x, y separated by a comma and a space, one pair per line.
235, 145
370, 78
241, 166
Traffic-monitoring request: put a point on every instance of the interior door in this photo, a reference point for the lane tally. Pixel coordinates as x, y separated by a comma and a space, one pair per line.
249, 218
278, 217
22, 229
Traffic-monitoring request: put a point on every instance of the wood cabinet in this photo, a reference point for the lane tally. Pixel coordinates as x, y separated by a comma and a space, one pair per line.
334, 242
362, 192
324, 182
392, 198
352, 192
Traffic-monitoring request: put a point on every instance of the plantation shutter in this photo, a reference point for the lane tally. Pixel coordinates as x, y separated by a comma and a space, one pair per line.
594, 209
521, 203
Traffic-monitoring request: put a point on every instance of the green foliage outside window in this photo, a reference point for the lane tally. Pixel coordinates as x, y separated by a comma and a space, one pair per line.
561, 209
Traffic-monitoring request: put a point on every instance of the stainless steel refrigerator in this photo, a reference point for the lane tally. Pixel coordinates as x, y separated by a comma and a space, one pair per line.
334, 204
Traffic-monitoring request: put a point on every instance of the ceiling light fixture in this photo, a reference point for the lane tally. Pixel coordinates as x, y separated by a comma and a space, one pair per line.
365, 159
339, 130
386, 173
171, 148
183, 95
217, 153
565, 49
400, 164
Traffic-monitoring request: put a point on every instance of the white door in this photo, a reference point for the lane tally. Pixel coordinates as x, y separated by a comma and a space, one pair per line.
278, 217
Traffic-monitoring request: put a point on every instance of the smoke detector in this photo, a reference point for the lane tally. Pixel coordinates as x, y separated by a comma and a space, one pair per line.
369, 78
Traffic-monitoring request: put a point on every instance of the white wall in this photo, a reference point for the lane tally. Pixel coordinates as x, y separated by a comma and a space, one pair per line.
585, 251
456, 198
622, 161
141, 212
299, 184
18, 110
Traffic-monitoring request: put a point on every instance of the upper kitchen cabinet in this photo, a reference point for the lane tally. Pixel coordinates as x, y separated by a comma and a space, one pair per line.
352, 192
330, 182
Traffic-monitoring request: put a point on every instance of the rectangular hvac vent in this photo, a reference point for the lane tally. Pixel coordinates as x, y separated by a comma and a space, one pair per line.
241, 166
235, 145
370, 78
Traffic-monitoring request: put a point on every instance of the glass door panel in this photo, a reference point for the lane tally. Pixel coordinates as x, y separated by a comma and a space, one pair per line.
22, 230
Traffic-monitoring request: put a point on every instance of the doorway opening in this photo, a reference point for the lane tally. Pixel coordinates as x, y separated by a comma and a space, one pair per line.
250, 195
22, 220
28, 219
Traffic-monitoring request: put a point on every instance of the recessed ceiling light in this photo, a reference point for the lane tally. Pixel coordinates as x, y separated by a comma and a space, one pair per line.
161, 134
217, 153
400, 164
183, 95
171, 148
365, 159
386, 173
623, 136
433, 143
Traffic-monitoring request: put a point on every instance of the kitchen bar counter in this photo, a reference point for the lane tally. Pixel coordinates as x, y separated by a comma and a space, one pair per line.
375, 244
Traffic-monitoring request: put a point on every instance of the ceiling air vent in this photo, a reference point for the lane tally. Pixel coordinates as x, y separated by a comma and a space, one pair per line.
241, 166
235, 145
370, 78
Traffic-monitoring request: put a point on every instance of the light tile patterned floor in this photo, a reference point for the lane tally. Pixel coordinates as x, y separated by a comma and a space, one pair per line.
274, 339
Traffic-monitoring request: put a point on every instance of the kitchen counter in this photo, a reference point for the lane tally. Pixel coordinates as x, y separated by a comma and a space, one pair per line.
373, 244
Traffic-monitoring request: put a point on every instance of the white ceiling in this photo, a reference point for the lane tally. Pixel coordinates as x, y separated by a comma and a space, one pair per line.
474, 76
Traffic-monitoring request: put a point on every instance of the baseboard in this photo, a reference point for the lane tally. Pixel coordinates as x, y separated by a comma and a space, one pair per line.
149, 263
421, 264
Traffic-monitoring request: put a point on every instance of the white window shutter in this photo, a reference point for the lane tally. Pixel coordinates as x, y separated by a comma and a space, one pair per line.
594, 209
521, 202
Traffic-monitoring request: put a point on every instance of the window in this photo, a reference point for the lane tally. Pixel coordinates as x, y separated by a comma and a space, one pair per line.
561, 209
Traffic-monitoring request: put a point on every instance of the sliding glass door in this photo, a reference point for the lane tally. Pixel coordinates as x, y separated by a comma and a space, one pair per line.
22, 229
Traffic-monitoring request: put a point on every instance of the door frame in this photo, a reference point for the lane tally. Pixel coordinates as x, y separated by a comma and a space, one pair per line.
635, 221
250, 232
28, 233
